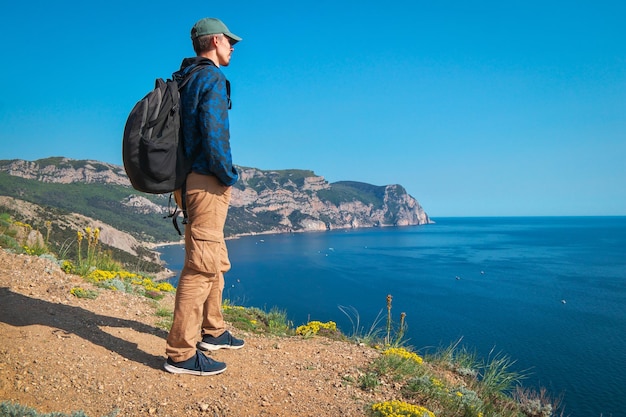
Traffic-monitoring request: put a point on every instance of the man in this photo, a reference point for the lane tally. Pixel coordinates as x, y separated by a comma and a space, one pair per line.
204, 111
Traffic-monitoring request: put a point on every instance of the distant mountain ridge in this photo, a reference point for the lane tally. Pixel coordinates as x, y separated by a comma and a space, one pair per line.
263, 201
66, 171
302, 200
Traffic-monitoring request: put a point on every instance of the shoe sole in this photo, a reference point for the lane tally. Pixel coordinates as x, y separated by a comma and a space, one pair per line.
209, 347
176, 370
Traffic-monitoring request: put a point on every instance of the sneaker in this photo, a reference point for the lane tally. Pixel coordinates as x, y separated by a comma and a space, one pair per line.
198, 364
224, 341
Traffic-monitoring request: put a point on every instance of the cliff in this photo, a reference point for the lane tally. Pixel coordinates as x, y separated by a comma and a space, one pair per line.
262, 201
73, 194
301, 200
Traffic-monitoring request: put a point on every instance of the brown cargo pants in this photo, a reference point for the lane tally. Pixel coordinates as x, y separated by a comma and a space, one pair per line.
198, 303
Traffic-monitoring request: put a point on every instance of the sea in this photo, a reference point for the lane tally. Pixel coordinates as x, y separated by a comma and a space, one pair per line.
547, 292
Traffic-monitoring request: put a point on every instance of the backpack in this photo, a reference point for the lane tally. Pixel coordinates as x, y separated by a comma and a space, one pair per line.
152, 151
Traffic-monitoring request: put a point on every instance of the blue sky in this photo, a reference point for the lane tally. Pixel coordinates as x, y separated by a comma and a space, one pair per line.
477, 109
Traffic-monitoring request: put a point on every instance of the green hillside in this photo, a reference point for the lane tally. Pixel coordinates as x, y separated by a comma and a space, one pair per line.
99, 201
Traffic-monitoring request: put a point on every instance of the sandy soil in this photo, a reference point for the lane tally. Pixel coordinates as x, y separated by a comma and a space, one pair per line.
59, 353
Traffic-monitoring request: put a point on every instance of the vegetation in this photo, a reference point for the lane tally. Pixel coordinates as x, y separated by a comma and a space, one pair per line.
99, 201
272, 180
80, 292
104, 202
90, 261
348, 191
10, 409
391, 335
400, 408
255, 320
452, 382
313, 328
18, 237
59, 239
166, 318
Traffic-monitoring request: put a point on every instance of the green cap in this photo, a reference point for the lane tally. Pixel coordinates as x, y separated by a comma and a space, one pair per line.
212, 26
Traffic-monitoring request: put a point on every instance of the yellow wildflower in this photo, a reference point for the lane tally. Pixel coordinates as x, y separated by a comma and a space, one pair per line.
397, 408
313, 327
403, 353
24, 225
437, 383
165, 286
100, 275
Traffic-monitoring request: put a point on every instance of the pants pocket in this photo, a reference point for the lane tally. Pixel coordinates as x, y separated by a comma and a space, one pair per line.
204, 249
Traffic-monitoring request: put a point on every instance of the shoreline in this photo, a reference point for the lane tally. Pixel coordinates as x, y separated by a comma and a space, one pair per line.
282, 232
168, 273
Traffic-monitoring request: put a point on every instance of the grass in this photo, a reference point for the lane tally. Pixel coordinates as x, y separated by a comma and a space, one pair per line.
255, 320
80, 292
391, 335
396, 366
91, 261
496, 376
10, 409
451, 382
166, 317
360, 334
18, 237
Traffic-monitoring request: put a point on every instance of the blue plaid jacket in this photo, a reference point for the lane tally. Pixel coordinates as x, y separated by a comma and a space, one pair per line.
204, 114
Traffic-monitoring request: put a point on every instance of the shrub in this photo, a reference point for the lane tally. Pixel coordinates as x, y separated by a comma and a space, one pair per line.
398, 364
79, 292
10, 409
313, 328
496, 377
369, 381
256, 320
129, 282
166, 318
67, 266
405, 354
536, 403
9, 242
397, 408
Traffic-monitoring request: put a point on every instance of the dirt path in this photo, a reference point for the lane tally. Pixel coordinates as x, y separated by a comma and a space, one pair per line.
64, 354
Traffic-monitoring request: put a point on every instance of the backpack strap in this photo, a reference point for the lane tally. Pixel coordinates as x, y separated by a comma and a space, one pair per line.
182, 78
174, 212
183, 202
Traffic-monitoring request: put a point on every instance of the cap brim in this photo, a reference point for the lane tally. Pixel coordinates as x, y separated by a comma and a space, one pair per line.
234, 37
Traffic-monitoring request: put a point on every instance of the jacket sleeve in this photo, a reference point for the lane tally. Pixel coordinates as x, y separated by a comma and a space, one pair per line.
214, 130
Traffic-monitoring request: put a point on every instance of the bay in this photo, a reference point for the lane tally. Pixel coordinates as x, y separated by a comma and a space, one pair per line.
549, 292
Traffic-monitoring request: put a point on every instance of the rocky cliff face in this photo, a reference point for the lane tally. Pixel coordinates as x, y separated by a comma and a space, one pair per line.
262, 201
301, 200
65, 171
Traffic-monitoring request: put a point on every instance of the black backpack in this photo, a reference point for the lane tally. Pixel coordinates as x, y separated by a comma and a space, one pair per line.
152, 151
